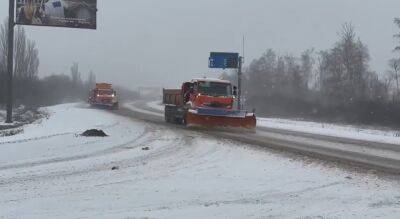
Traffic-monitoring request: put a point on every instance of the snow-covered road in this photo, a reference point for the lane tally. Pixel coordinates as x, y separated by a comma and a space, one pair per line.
387, 136
367, 147
50, 172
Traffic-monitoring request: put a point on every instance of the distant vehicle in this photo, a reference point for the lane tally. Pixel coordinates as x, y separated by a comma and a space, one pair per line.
206, 102
103, 95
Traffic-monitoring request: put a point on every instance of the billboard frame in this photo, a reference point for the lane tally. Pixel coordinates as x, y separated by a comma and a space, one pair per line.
88, 27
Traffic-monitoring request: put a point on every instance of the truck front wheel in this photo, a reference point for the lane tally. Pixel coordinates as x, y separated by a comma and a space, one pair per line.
115, 106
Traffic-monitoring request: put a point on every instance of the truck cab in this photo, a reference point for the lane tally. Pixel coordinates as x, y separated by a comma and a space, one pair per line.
103, 95
206, 92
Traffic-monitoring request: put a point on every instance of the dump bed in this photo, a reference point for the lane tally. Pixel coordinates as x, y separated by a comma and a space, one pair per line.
172, 96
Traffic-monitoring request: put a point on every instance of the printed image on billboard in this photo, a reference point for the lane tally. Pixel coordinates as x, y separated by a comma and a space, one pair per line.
59, 13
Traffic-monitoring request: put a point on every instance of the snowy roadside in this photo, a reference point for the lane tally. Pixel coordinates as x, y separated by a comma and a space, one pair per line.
341, 131
21, 116
326, 129
58, 135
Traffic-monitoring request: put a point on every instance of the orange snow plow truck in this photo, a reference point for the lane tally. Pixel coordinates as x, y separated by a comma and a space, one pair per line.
206, 103
103, 95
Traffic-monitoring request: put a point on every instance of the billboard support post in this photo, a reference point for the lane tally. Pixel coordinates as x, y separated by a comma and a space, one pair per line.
10, 61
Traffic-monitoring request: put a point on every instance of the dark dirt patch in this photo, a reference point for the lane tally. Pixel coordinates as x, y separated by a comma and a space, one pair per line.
94, 133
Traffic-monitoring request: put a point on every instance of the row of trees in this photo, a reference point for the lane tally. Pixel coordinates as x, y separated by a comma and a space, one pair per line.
62, 88
29, 89
26, 63
335, 84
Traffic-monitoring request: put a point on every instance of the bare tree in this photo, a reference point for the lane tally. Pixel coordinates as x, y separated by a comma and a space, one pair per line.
26, 62
393, 73
32, 60
397, 36
307, 65
3, 60
91, 81
20, 67
344, 69
75, 74
394, 64
262, 75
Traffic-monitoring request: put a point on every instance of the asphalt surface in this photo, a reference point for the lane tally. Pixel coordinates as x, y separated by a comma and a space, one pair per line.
370, 155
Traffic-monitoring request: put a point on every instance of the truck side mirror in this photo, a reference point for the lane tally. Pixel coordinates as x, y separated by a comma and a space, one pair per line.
234, 91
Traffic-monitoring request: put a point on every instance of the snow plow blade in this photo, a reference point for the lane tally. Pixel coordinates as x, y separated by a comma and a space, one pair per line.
220, 118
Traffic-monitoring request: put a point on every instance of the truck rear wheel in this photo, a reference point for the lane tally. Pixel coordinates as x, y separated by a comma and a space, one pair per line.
168, 114
166, 118
178, 121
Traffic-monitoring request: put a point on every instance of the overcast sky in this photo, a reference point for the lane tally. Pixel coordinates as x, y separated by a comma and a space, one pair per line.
162, 43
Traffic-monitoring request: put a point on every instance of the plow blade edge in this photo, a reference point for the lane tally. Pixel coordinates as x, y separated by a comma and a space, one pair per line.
238, 119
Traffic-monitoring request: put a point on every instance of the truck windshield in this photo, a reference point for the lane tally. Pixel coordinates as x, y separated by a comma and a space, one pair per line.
106, 92
215, 89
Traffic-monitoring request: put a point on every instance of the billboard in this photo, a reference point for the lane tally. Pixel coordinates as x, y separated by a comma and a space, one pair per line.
57, 13
223, 60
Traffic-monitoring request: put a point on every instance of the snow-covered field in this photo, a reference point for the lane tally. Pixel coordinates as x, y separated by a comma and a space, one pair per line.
342, 131
49, 172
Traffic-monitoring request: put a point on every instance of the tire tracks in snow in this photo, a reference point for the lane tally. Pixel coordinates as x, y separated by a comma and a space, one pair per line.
36, 138
151, 135
72, 158
365, 154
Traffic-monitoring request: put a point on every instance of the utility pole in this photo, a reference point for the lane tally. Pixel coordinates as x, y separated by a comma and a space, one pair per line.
240, 73
240, 83
10, 61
